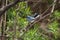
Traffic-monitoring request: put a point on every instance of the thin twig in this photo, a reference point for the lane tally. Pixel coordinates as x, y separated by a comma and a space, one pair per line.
5, 8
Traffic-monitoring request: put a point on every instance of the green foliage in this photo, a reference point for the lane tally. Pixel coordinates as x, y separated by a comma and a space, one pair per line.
50, 1
9, 14
12, 13
15, 19
22, 22
31, 34
54, 25
24, 9
57, 14
34, 34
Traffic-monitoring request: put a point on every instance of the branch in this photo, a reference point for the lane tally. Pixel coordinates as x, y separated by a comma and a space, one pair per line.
5, 8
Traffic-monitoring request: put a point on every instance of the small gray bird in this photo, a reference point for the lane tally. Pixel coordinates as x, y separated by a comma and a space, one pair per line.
32, 18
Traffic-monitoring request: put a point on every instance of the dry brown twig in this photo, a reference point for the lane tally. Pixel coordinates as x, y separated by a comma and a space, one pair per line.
5, 8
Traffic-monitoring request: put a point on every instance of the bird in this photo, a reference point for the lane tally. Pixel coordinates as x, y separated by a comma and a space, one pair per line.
33, 17
30, 18
36, 15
